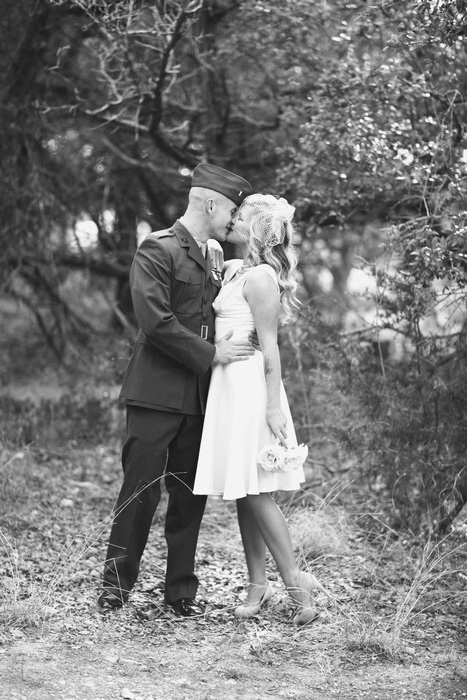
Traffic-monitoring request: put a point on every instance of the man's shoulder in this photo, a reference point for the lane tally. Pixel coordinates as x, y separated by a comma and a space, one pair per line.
176, 233
159, 240
158, 235
167, 233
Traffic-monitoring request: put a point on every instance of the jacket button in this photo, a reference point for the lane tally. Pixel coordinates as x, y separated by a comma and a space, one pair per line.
184, 240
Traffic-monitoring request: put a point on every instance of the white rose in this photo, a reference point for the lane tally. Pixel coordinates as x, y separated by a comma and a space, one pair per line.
295, 457
271, 457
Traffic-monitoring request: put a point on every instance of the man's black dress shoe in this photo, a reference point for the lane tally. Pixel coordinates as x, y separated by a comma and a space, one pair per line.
110, 601
186, 607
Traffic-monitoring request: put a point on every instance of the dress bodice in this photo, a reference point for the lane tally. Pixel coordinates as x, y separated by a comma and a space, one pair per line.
231, 308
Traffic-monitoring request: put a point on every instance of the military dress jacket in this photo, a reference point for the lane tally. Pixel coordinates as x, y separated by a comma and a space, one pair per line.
172, 289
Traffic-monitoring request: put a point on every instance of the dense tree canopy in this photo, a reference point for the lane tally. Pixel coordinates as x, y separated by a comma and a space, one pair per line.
354, 111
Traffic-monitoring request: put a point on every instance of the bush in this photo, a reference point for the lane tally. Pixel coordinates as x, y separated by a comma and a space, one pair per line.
402, 418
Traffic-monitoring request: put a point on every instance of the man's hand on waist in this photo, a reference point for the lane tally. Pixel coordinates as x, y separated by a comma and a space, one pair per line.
232, 351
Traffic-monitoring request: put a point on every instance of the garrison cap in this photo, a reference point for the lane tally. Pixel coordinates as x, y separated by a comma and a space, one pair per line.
233, 186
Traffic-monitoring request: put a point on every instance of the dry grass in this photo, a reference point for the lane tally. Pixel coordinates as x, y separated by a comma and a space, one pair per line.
384, 634
21, 600
15, 466
324, 535
319, 533
27, 600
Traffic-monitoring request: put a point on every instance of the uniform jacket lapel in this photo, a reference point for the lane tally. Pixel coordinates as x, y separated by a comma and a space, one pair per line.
186, 240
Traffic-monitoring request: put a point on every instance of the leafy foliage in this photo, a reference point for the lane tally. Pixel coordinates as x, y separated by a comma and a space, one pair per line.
355, 112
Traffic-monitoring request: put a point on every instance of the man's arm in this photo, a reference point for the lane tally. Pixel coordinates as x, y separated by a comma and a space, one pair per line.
150, 281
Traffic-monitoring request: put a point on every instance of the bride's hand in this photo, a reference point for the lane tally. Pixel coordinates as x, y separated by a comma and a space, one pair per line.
254, 340
216, 254
278, 424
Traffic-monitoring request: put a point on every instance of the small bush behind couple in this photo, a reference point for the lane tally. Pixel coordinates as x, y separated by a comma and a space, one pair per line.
246, 414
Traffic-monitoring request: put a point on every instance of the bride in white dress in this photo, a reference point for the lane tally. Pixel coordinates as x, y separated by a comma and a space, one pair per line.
249, 448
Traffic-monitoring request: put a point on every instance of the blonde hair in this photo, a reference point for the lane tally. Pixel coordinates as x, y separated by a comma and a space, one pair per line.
269, 236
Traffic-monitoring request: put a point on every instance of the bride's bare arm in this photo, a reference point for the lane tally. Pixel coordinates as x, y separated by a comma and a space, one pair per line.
262, 295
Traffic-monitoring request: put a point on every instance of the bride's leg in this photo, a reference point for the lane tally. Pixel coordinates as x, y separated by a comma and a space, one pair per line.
273, 528
255, 552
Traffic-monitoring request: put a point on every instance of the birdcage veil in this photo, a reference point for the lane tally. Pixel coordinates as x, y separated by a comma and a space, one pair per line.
268, 218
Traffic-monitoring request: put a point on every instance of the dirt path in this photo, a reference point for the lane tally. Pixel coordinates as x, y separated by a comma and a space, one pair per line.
217, 658
205, 667
144, 653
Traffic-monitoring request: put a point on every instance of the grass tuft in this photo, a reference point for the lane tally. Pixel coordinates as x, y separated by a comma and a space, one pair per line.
385, 636
21, 599
319, 533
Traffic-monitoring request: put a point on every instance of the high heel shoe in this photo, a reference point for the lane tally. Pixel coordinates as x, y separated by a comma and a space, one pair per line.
307, 583
252, 609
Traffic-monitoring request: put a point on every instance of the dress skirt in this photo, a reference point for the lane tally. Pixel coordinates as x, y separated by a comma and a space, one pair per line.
235, 429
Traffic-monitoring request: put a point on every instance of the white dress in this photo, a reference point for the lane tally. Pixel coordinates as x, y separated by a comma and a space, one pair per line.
235, 426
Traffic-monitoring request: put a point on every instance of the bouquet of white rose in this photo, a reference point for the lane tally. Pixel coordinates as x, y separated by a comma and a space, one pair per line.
277, 458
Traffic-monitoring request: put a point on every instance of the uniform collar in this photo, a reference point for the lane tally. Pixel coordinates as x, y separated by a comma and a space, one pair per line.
186, 240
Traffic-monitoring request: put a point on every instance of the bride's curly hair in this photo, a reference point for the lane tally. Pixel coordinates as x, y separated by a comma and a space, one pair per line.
269, 240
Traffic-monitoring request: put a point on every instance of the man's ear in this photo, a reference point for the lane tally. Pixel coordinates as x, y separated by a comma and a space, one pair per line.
210, 205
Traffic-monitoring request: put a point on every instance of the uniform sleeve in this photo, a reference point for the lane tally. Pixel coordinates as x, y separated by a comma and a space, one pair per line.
150, 282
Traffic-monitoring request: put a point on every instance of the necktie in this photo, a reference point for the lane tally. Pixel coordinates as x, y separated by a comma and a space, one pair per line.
202, 246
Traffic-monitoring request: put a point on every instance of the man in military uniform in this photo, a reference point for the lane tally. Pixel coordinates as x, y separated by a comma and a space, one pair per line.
165, 388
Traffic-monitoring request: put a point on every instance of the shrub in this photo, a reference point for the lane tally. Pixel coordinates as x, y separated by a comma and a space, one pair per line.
402, 418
